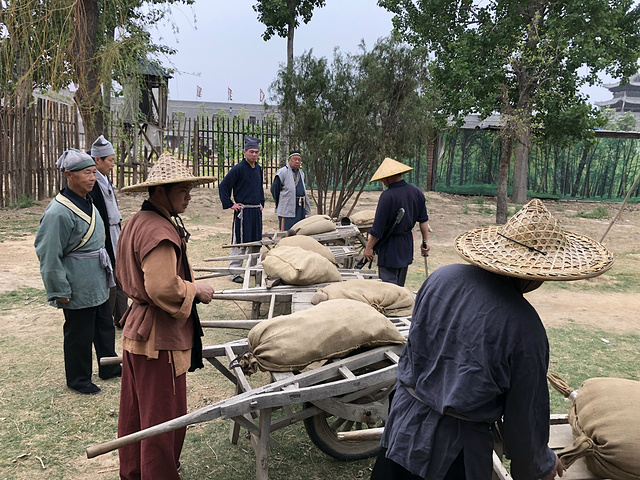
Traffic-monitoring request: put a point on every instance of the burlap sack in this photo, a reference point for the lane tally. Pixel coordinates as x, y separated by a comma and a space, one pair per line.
307, 243
605, 419
389, 299
314, 224
296, 266
364, 217
331, 329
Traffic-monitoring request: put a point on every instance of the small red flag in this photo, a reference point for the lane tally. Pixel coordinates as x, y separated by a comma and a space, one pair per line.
229, 94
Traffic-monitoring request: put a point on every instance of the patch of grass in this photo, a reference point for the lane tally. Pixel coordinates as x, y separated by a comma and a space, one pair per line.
22, 297
598, 212
465, 209
15, 227
24, 201
483, 209
578, 353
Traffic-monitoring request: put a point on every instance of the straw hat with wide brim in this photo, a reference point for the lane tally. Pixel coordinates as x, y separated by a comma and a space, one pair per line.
388, 168
532, 245
168, 169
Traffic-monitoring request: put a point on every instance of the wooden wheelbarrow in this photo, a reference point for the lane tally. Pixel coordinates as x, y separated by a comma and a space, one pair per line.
348, 394
282, 294
342, 235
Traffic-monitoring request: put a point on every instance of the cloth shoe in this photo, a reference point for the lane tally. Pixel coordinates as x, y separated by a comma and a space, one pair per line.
238, 279
90, 389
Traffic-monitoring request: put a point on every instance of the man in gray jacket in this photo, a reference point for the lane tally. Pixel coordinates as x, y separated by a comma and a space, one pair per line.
289, 192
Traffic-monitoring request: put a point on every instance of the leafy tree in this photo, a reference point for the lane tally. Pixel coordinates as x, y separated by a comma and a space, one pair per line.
349, 114
281, 17
525, 59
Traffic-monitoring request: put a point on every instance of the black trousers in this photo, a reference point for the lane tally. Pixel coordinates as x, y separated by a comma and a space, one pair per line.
385, 469
396, 276
82, 328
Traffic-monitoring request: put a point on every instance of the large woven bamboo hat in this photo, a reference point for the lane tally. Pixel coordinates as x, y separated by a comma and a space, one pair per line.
168, 169
388, 168
532, 245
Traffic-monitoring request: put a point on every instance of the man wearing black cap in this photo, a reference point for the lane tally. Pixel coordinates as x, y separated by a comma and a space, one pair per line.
244, 182
77, 273
104, 199
289, 192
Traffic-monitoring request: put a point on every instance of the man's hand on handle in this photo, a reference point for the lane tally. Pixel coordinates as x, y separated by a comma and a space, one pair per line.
558, 469
368, 253
204, 292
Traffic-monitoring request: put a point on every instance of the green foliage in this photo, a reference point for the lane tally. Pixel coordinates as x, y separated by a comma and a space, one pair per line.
526, 60
51, 43
598, 212
349, 114
24, 201
280, 17
601, 168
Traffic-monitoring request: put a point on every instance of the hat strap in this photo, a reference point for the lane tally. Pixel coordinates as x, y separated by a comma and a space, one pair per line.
533, 249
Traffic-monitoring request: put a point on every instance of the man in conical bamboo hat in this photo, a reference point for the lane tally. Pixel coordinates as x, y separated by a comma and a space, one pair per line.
161, 334
477, 353
400, 206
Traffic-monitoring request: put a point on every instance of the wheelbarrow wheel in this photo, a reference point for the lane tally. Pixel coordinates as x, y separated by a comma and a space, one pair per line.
323, 431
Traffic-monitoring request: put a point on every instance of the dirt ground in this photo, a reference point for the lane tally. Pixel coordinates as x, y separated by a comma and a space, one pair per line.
449, 215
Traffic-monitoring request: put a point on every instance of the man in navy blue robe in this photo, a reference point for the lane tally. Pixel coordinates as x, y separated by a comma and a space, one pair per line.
477, 353
394, 242
244, 184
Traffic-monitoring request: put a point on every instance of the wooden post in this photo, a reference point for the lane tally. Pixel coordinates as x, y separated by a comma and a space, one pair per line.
261, 446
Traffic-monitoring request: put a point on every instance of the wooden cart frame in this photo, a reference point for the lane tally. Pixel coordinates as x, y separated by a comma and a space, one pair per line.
351, 392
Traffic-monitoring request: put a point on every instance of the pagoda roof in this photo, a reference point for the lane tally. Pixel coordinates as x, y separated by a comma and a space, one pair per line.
634, 81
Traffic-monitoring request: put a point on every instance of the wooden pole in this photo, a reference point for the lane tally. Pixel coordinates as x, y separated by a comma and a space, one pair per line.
626, 198
367, 435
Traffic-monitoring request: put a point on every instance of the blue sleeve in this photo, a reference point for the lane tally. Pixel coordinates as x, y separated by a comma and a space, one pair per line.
422, 208
226, 186
51, 240
526, 414
276, 186
261, 189
382, 217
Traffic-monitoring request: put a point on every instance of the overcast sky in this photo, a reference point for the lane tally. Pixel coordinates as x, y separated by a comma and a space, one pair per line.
219, 46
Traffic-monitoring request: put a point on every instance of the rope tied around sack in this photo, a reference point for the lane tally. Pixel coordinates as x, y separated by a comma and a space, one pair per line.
582, 446
560, 385
379, 308
245, 361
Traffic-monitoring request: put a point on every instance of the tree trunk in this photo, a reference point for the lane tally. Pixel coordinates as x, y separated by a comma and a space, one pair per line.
285, 132
87, 65
503, 176
521, 167
581, 165
432, 146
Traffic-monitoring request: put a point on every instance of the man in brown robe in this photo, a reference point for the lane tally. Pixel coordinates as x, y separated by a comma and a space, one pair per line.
161, 334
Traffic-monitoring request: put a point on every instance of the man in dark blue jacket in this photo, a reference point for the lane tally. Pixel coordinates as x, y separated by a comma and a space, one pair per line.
244, 183
477, 353
394, 242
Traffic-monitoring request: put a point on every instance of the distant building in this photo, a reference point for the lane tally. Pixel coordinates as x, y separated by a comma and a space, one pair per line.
626, 97
252, 112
